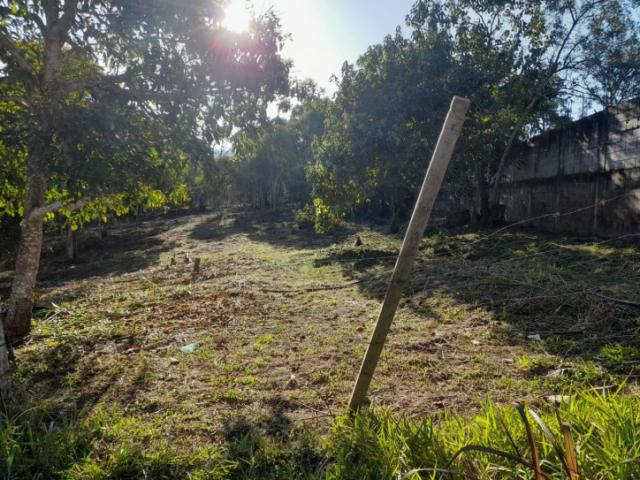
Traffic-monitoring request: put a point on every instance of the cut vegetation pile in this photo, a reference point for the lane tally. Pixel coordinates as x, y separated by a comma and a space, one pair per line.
140, 368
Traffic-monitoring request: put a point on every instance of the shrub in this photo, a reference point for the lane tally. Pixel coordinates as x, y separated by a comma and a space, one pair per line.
322, 217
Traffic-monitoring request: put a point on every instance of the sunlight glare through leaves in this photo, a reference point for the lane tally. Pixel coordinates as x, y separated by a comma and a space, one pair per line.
237, 16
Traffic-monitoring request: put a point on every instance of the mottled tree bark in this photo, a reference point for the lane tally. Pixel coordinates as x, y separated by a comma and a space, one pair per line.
5, 371
17, 322
42, 84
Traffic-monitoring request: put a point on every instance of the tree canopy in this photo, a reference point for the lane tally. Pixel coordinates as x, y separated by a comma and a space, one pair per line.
518, 61
142, 79
271, 162
114, 97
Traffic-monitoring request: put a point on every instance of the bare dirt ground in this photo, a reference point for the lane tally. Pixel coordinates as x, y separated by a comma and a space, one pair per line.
281, 319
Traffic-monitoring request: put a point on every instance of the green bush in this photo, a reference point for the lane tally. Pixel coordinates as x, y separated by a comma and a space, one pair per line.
321, 216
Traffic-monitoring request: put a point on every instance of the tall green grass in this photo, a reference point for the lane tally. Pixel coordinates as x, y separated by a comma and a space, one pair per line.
495, 444
592, 435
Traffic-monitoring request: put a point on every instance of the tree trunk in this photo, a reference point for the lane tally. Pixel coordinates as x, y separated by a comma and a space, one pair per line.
494, 196
102, 227
275, 195
395, 212
482, 214
5, 370
72, 244
395, 222
17, 322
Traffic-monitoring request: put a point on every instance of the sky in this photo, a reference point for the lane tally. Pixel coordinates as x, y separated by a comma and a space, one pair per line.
325, 33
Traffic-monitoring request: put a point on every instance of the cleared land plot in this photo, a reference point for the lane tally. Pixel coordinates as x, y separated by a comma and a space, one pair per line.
282, 318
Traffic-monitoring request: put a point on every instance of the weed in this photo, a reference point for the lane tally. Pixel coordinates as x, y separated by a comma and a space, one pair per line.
619, 353
536, 364
264, 340
495, 443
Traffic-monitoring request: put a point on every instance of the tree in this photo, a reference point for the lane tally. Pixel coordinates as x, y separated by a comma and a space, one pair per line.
210, 182
516, 60
99, 82
271, 161
546, 46
611, 57
379, 128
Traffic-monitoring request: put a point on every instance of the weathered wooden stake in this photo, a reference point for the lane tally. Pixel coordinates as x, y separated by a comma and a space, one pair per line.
196, 266
428, 194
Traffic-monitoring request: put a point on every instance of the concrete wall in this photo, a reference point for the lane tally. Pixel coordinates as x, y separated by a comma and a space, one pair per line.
588, 172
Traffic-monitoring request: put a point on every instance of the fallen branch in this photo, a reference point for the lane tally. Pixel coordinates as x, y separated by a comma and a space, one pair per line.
617, 300
312, 289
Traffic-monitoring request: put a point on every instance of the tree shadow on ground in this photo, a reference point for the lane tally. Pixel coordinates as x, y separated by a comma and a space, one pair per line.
578, 294
63, 372
275, 228
272, 447
77, 443
128, 250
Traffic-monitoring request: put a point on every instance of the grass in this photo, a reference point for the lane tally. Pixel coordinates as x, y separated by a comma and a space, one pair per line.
496, 443
604, 427
281, 331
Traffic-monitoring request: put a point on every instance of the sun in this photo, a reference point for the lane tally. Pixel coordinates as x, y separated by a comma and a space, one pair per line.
237, 16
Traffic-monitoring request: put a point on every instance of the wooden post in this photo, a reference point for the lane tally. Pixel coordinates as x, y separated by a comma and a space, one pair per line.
428, 194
